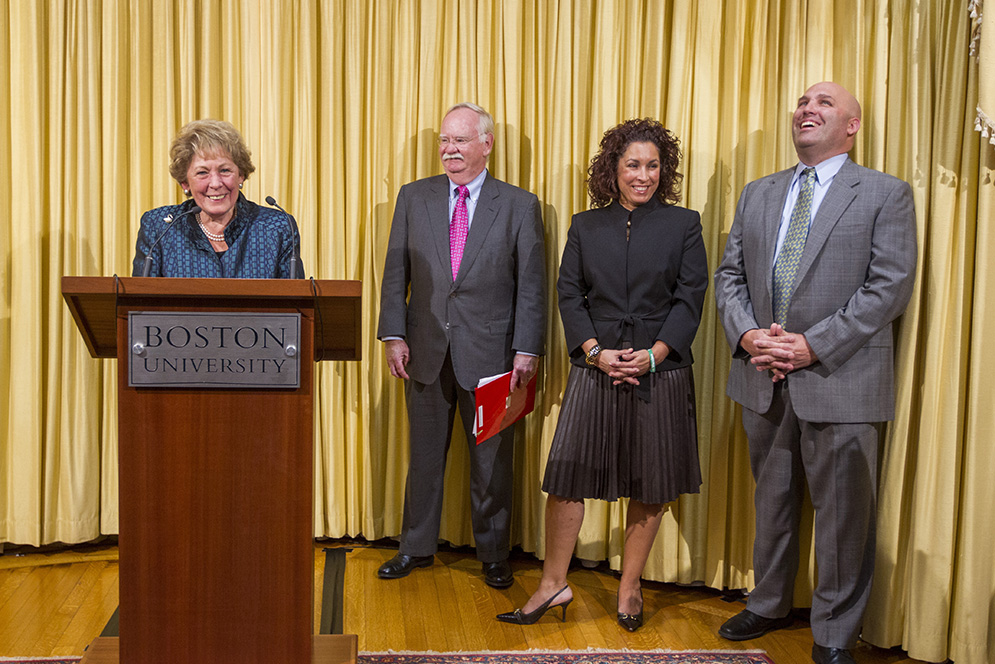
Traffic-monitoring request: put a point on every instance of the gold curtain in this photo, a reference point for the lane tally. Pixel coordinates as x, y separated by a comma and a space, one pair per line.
983, 47
340, 102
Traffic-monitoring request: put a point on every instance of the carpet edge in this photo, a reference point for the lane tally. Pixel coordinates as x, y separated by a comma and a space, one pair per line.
659, 651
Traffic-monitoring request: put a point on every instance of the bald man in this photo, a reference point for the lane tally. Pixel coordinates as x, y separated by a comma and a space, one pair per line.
820, 261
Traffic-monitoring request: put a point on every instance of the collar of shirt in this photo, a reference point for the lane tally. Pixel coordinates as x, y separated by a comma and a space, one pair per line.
471, 201
825, 173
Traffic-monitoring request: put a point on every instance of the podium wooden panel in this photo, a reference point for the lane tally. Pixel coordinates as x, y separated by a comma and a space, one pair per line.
216, 485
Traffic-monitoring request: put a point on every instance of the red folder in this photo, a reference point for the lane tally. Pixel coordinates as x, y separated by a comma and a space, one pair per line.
497, 408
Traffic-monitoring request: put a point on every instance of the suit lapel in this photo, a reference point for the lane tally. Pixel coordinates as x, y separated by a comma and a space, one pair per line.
773, 202
837, 199
437, 213
483, 218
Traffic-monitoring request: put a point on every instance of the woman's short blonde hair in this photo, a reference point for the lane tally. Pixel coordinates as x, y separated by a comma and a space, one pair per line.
208, 137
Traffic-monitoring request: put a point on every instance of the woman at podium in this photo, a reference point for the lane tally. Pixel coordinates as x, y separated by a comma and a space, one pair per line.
631, 290
217, 232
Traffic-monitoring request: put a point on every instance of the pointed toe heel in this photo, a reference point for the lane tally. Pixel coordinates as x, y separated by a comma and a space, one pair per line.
518, 617
632, 621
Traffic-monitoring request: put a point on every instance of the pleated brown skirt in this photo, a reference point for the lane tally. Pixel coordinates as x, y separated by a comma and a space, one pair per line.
609, 443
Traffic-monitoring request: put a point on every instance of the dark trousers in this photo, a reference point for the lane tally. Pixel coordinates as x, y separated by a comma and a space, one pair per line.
431, 411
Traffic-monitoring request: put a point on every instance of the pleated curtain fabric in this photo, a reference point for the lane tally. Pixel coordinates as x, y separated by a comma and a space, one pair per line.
345, 112
983, 48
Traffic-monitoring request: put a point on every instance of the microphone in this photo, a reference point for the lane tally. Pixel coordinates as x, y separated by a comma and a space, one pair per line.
293, 229
170, 222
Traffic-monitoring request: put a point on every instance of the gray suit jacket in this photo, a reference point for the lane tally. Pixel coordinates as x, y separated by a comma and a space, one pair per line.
856, 276
497, 304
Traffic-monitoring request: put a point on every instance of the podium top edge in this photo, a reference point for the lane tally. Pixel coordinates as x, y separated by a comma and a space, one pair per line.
247, 288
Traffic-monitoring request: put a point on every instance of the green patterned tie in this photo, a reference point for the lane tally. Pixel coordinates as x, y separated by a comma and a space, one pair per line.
786, 265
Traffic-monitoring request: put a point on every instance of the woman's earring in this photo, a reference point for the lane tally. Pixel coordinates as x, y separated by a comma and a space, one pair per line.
240, 186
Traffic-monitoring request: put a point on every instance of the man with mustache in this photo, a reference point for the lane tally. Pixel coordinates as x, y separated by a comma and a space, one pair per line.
463, 297
820, 261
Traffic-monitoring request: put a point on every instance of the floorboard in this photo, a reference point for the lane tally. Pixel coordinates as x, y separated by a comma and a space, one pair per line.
54, 603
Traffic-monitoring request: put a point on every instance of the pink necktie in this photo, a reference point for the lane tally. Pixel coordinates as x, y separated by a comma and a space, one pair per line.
458, 229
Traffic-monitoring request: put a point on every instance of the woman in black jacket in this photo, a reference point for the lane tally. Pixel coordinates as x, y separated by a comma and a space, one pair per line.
631, 287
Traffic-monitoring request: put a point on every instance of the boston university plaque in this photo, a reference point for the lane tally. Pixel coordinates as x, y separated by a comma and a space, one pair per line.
214, 350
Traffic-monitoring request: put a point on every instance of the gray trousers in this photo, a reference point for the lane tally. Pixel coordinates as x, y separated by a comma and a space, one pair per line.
839, 461
431, 412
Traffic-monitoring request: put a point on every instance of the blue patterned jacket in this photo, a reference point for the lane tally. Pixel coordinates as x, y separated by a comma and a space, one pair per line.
260, 244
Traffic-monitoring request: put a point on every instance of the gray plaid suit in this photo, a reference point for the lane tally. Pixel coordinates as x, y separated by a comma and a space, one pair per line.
820, 424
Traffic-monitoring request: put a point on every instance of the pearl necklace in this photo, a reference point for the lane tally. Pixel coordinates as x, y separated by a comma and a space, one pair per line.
214, 237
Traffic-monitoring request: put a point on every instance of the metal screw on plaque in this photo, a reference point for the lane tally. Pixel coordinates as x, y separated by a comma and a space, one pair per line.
138, 349
290, 350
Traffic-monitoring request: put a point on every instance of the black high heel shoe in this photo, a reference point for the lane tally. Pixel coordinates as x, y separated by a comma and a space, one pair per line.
519, 618
632, 621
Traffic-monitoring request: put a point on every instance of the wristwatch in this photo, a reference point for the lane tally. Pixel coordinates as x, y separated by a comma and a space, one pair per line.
592, 355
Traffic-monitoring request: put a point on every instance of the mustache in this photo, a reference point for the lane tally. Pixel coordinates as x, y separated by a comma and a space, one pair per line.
454, 155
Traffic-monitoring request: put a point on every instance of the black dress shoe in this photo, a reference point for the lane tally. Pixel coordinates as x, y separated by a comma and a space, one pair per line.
748, 625
824, 655
530, 618
631, 621
401, 565
498, 575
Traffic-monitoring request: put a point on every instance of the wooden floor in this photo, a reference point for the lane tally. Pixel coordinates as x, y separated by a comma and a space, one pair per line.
56, 603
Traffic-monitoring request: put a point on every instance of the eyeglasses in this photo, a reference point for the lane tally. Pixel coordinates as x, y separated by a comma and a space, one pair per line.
458, 141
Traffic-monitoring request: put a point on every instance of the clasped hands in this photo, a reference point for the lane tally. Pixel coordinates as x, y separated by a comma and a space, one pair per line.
626, 365
777, 351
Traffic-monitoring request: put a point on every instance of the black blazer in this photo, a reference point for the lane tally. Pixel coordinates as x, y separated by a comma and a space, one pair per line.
647, 288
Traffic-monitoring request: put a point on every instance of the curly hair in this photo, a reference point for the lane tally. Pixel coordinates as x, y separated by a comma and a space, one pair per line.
602, 182
208, 137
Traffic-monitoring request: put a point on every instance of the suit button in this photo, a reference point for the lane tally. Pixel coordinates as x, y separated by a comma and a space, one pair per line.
447, 326
452, 296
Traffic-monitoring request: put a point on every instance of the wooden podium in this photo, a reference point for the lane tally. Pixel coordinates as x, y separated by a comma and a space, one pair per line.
216, 484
